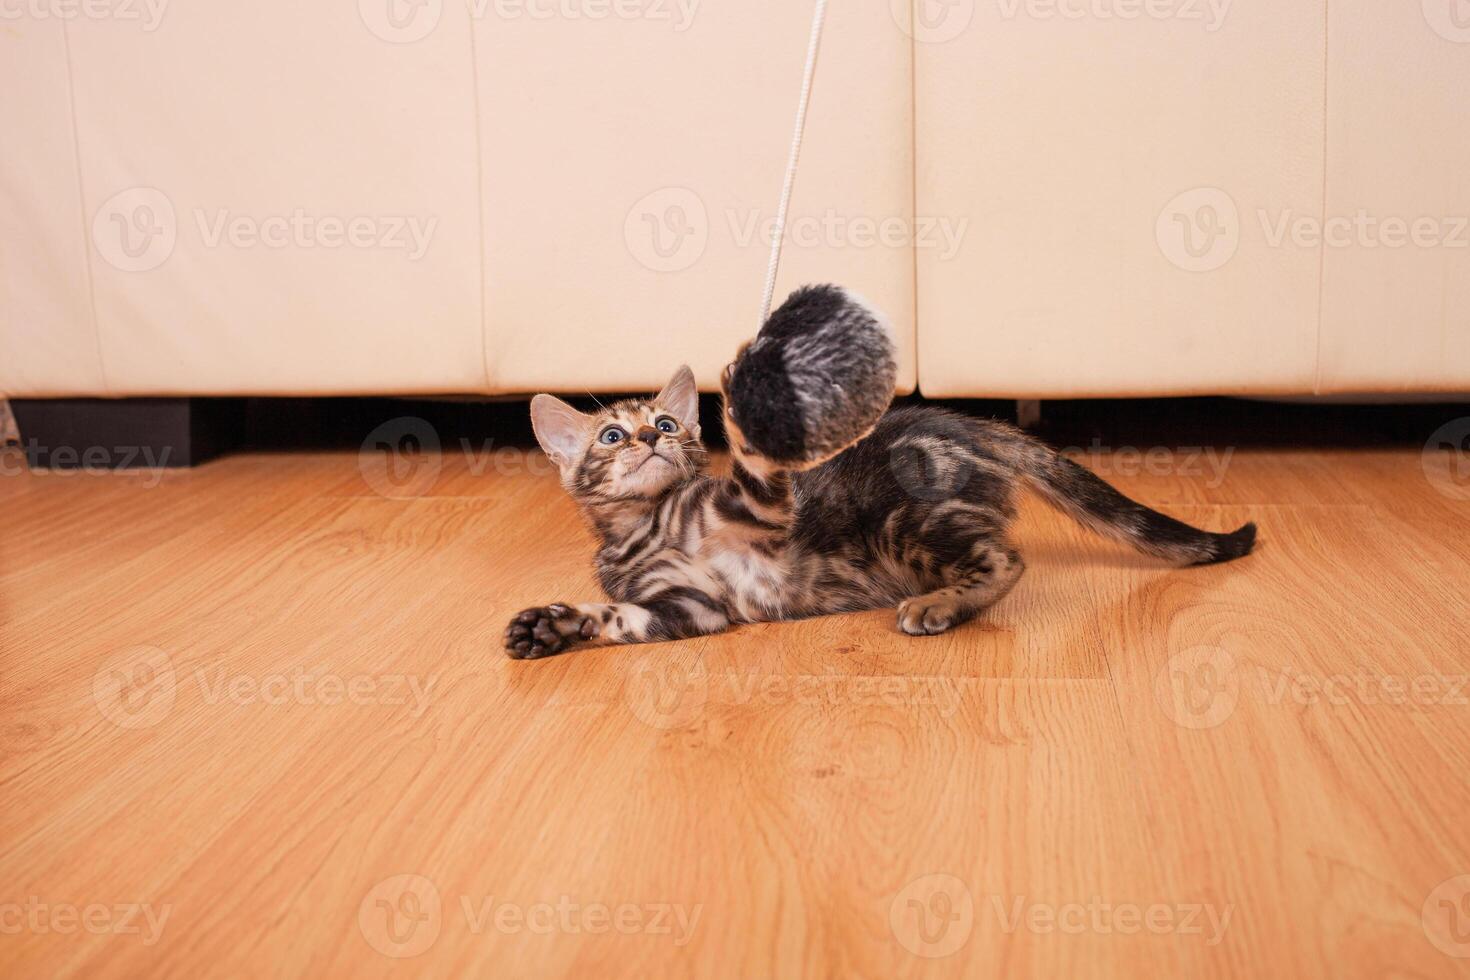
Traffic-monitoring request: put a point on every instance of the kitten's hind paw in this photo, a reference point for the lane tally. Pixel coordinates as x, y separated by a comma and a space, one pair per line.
928, 615
547, 630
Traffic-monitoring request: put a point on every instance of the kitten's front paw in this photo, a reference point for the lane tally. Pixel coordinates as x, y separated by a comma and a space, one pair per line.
928, 615
547, 630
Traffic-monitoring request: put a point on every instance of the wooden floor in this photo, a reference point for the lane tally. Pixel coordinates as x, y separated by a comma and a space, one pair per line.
254, 720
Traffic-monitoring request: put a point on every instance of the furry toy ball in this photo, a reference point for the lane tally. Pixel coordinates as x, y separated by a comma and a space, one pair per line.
817, 377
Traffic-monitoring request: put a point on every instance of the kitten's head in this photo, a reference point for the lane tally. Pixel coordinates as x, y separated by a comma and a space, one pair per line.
634, 448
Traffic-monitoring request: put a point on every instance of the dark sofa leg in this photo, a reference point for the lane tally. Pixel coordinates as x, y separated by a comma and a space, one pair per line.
127, 433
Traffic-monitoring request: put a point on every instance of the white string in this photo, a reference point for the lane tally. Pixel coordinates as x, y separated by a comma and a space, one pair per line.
818, 17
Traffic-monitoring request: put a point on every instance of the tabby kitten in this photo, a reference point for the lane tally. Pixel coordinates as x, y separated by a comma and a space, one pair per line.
915, 515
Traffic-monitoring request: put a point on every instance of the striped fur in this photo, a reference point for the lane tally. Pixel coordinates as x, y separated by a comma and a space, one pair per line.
916, 515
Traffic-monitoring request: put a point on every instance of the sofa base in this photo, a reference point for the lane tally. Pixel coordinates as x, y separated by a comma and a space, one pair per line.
125, 434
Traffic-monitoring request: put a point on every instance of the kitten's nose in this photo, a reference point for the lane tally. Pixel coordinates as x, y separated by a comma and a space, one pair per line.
648, 436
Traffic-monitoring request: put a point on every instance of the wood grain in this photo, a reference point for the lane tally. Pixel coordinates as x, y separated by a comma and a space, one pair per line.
268, 702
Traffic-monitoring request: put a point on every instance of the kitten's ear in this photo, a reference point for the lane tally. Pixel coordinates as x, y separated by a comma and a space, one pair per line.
562, 430
681, 396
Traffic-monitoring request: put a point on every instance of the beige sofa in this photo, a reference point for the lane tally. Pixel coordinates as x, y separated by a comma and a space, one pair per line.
1050, 197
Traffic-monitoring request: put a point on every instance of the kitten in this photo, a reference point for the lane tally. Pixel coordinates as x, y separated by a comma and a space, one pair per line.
915, 515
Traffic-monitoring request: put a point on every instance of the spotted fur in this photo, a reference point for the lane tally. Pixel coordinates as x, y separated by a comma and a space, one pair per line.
916, 515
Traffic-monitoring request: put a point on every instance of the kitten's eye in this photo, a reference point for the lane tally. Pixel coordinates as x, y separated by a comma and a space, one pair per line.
666, 424
612, 435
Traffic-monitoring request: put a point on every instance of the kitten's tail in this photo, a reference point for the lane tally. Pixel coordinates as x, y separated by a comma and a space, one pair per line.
1099, 507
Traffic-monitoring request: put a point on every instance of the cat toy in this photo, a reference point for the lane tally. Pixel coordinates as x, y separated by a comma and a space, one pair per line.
819, 375
822, 370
